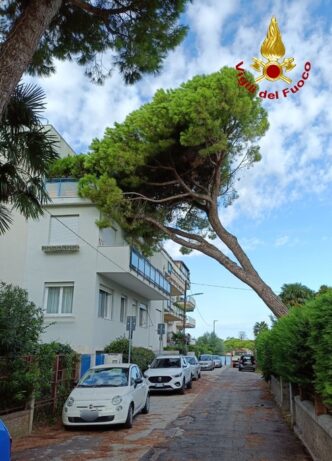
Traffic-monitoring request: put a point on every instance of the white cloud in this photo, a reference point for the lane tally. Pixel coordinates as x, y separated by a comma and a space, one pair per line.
297, 148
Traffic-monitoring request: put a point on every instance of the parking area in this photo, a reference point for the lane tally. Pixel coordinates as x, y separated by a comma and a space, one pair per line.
116, 443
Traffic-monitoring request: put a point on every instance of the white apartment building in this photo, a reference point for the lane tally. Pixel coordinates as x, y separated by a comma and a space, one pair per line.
89, 280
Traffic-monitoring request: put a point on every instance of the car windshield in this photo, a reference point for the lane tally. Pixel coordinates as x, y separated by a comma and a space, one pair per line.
105, 377
205, 357
191, 360
166, 363
216, 357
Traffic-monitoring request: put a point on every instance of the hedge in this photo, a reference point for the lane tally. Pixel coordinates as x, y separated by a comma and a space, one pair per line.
139, 355
298, 348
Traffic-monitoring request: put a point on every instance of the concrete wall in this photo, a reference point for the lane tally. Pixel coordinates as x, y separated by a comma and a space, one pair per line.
314, 431
18, 423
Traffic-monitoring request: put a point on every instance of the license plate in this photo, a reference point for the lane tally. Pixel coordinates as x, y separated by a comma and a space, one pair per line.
89, 415
159, 385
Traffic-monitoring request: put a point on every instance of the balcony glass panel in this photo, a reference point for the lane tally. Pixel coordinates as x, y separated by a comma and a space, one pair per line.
150, 273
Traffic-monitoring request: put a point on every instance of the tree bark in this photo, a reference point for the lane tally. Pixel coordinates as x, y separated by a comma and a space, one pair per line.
245, 272
17, 51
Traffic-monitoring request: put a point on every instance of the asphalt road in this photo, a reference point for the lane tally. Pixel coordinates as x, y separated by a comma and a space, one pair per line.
237, 420
226, 416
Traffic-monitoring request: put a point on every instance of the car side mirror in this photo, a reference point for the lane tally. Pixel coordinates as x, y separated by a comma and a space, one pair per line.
149, 366
138, 381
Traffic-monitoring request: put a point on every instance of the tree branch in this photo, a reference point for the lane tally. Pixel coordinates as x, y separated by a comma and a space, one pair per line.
147, 199
103, 13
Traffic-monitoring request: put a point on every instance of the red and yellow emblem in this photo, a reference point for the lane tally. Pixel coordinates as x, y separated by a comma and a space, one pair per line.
273, 49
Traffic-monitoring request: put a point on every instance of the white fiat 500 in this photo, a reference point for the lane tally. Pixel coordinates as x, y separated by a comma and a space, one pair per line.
107, 394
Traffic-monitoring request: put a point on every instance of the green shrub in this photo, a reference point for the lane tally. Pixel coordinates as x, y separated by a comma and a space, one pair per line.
21, 323
321, 343
264, 353
142, 357
139, 355
68, 167
292, 356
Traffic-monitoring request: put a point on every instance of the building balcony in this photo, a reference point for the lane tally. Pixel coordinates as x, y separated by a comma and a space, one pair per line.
172, 313
190, 303
177, 283
64, 191
127, 267
190, 323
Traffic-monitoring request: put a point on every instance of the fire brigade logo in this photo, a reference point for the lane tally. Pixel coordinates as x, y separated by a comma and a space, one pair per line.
273, 49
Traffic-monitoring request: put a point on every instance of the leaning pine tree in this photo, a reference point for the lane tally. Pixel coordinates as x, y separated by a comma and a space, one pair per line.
170, 167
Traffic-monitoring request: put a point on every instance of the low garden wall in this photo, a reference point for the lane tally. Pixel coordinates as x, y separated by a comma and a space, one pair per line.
312, 428
18, 423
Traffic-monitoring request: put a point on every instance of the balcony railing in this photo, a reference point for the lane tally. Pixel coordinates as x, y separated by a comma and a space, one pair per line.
143, 267
190, 303
62, 187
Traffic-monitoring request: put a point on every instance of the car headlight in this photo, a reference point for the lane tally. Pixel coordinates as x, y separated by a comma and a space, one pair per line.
117, 400
178, 376
70, 401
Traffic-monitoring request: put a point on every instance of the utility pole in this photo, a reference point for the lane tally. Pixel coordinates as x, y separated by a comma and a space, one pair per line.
214, 326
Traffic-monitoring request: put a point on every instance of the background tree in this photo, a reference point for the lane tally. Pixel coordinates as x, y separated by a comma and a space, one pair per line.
36, 32
233, 344
259, 327
169, 167
26, 151
210, 343
295, 294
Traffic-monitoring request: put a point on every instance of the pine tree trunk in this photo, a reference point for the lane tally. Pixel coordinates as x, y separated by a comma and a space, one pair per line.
251, 277
17, 51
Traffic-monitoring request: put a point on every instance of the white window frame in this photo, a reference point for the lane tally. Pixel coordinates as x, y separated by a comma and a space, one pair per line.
109, 302
143, 322
125, 306
61, 286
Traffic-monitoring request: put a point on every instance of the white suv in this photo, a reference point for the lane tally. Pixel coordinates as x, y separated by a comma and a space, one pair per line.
169, 373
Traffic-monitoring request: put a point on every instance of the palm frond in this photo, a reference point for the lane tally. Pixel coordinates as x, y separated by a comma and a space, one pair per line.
5, 219
26, 151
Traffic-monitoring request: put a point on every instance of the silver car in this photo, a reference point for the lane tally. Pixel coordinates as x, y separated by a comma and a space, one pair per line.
206, 362
217, 361
194, 365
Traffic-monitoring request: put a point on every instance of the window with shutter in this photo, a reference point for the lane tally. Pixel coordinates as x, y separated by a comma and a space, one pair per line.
63, 230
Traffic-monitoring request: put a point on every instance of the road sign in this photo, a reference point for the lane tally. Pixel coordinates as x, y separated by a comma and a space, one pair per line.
131, 323
161, 328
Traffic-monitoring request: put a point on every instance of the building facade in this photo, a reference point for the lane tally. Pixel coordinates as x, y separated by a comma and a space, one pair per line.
88, 280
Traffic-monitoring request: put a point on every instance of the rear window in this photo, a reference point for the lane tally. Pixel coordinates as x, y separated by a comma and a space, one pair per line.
166, 363
205, 357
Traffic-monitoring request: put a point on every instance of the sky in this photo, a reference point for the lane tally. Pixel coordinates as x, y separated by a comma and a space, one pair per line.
282, 217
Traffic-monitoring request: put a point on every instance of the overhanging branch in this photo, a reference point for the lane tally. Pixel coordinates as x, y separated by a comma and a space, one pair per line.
103, 13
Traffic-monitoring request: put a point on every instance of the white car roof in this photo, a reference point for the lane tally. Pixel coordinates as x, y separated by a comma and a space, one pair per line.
112, 365
169, 356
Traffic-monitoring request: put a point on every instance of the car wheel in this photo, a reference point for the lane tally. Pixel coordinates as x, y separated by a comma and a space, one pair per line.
199, 376
129, 421
183, 388
146, 407
190, 384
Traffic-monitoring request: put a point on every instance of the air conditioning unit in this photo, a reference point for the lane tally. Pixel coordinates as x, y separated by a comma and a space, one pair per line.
113, 358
